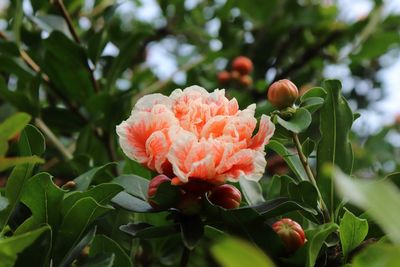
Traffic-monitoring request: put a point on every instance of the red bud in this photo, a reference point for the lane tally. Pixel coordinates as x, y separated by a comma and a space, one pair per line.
243, 65
153, 185
226, 196
291, 233
224, 77
282, 94
246, 81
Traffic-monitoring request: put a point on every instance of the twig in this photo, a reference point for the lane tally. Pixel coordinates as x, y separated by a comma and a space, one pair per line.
67, 18
185, 257
53, 139
310, 175
159, 85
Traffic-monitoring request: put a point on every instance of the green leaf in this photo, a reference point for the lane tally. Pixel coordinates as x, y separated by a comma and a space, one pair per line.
66, 65
3, 203
43, 198
353, 230
166, 195
6, 163
312, 93
334, 146
252, 191
131, 203
75, 222
308, 147
316, 238
13, 125
31, 142
102, 194
298, 123
312, 104
100, 261
74, 252
144, 230
11, 247
103, 244
280, 206
192, 230
304, 192
99, 173
134, 185
380, 199
231, 252
290, 158
50, 23
379, 254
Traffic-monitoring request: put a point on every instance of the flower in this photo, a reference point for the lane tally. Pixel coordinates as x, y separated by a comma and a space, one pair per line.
196, 135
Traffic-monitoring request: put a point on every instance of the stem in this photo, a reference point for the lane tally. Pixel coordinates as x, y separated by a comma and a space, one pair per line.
185, 257
310, 175
51, 136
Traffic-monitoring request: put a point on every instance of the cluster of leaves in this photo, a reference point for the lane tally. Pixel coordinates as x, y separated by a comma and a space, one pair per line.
55, 76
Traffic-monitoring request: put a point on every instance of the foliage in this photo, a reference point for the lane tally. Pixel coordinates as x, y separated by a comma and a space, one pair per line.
71, 196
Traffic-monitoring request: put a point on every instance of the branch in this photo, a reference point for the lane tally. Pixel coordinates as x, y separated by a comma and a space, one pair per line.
68, 20
310, 175
308, 55
53, 139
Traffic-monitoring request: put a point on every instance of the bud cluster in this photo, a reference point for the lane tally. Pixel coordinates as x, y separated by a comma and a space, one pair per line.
192, 195
240, 74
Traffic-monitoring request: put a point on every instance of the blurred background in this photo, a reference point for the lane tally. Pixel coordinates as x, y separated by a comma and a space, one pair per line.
136, 47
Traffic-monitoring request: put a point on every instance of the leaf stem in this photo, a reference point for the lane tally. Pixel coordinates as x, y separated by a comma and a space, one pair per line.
310, 175
185, 257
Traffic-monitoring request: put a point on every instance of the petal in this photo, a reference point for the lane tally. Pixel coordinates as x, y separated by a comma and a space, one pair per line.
147, 102
157, 147
265, 132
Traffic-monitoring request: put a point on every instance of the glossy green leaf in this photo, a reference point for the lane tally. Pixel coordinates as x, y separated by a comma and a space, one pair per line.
134, 185
13, 125
84, 180
231, 252
43, 198
66, 65
131, 203
102, 194
380, 254
353, 230
103, 260
316, 238
50, 23
144, 230
6, 163
380, 199
290, 158
252, 191
298, 123
3, 203
312, 104
16, 98
75, 222
312, 93
12, 246
75, 251
308, 147
31, 142
192, 230
334, 146
105, 245
167, 195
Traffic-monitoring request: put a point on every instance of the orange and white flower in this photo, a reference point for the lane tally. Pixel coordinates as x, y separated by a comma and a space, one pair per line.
200, 135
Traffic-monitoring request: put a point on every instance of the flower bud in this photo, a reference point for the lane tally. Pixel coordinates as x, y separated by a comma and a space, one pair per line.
227, 196
235, 75
290, 233
224, 77
282, 94
15, 138
243, 65
153, 186
190, 204
246, 81
69, 185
